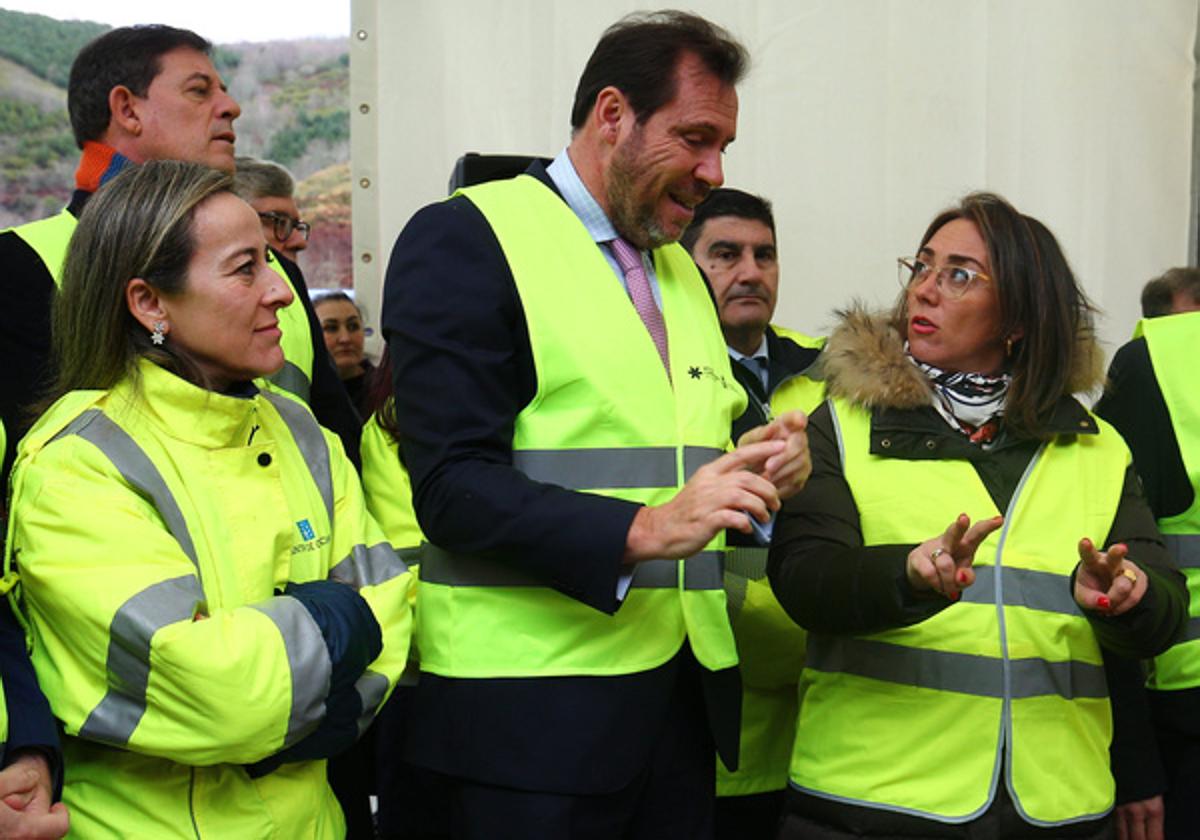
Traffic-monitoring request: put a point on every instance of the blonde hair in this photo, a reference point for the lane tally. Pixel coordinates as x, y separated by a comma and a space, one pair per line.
137, 225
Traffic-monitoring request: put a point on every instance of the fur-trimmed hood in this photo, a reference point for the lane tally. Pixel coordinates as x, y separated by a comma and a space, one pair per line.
864, 363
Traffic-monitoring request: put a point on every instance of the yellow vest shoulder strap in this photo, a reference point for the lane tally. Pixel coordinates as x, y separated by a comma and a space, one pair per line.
49, 238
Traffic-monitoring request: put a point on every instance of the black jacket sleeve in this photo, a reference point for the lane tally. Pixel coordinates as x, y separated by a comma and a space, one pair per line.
31, 725
1133, 403
462, 371
25, 354
1136, 763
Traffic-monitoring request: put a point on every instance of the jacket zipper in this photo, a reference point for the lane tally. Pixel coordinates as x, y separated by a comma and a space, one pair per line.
192, 803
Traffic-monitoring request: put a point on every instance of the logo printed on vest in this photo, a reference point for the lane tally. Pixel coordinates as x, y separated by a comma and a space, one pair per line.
706, 372
306, 530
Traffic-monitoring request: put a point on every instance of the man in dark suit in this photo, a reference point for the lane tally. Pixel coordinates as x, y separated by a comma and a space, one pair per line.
564, 397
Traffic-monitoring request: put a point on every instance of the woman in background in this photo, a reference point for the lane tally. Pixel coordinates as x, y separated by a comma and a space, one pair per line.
342, 324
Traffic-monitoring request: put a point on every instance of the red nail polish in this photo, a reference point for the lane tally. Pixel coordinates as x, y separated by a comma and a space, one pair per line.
954, 596
1103, 602
961, 577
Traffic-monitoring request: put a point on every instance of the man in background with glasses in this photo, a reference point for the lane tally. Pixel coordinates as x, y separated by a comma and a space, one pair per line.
270, 190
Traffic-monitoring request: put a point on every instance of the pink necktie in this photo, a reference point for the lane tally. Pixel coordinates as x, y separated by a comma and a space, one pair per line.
630, 260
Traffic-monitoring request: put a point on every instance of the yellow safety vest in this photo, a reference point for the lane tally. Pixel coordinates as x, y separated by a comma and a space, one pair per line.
388, 491
605, 419
921, 719
1172, 341
50, 238
770, 645
137, 509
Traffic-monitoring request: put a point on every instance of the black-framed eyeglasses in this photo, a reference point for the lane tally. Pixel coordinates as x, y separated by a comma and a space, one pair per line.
285, 224
952, 280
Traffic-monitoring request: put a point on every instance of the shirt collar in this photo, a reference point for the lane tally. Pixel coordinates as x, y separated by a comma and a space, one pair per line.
760, 353
562, 172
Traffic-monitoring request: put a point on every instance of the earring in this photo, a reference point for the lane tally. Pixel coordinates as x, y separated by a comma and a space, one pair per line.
159, 335
1008, 347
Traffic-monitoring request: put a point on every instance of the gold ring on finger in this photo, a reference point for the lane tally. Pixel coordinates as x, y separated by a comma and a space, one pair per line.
1131, 574
936, 553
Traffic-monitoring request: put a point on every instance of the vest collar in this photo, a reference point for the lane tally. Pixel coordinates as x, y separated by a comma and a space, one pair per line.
786, 358
186, 412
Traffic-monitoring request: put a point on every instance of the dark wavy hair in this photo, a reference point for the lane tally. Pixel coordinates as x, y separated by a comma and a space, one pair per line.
129, 56
1158, 296
637, 55
1057, 354
726, 201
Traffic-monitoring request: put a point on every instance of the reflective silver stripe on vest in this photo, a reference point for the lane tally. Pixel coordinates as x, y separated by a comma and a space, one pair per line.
1043, 591
599, 469
368, 566
311, 443
704, 570
371, 688
656, 574
128, 664
1185, 548
308, 662
1192, 631
961, 673
747, 561
742, 564
293, 380
136, 468
701, 571
695, 457
410, 554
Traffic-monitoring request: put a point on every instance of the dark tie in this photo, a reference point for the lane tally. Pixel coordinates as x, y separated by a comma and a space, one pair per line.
630, 261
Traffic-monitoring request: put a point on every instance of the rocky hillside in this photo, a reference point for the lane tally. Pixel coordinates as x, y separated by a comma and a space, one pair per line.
293, 96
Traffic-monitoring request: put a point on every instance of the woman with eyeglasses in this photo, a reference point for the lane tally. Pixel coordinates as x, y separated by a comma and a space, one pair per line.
213, 612
970, 557
345, 338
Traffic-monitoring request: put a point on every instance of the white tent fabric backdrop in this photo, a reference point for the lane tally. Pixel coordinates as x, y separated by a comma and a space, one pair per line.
859, 119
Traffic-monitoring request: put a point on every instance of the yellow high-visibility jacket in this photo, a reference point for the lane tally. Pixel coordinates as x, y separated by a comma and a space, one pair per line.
154, 526
388, 490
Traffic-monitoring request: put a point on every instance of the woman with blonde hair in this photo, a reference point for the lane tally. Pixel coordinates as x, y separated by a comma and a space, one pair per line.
212, 610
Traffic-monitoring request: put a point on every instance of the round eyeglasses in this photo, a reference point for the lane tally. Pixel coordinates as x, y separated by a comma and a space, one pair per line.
285, 224
952, 280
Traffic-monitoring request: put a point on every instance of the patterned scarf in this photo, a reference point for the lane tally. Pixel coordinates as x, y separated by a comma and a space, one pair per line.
98, 165
973, 403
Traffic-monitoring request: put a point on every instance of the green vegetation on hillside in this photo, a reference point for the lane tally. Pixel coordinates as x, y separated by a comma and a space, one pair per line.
39, 138
42, 45
293, 96
289, 144
307, 95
